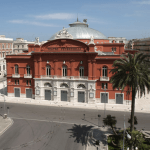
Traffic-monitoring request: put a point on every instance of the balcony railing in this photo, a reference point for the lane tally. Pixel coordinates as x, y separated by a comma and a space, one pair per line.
27, 75
15, 75
104, 78
64, 77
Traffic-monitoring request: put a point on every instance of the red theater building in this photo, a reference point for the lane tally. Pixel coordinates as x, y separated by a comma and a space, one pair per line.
73, 66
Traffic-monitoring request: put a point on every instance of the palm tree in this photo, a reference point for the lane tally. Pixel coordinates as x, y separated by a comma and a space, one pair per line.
131, 71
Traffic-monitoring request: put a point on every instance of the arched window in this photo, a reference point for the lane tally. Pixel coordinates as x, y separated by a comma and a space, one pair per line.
47, 85
64, 71
28, 70
81, 70
64, 85
16, 69
81, 86
104, 71
48, 70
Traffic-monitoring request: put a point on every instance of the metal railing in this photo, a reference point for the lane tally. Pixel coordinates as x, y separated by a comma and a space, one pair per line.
104, 78
15, 75
27, 75
65, 77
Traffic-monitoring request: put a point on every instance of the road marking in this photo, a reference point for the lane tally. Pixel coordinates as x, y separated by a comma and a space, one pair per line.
45, 120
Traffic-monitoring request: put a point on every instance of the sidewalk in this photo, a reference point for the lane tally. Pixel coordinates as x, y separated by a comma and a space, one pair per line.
141, 104
5, 124
98, 133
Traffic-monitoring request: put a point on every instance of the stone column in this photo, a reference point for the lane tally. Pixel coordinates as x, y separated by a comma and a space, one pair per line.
55, 67
89, 70
36, 68
93, 69
72, 67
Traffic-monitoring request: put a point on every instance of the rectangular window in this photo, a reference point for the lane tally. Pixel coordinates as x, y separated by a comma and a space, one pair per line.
103, 85
18, 82
30, 82
0, 68
3, 54
15, 82
91, 95
72, 94
113, 49
3, 67
26, 82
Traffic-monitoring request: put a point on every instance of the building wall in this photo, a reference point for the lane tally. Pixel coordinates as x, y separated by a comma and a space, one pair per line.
6, 48
69, 53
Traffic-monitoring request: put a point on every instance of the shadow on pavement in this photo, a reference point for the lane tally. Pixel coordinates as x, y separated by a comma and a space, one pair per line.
3, 91
81, 134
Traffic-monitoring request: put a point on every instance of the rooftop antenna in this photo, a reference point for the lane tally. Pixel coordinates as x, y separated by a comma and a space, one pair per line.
77, 17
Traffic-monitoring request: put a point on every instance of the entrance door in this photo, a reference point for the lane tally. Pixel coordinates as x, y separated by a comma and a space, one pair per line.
119, 98
81, 97
47, 94
28, 93
63, 95
104, 97
17, 92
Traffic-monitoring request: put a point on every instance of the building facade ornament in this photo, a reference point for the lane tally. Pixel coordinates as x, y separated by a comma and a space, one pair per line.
92, 40
63, 34
37, 41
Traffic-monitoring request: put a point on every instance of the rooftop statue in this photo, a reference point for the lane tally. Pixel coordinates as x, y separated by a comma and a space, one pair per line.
63, 34
92, 40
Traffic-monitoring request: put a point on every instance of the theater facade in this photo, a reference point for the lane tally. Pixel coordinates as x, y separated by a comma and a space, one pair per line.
73, 66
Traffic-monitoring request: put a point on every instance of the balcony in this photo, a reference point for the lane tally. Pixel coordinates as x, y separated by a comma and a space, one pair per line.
15, 75
64, 77
104, 78
27, 75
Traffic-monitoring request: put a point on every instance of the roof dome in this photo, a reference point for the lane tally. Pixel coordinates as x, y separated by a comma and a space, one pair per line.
78, 30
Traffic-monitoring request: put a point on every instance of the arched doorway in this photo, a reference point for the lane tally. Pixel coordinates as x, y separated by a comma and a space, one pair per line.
64, 93
81, 93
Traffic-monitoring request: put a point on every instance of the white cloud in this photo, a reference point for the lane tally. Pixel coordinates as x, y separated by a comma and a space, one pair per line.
32, 23
142, 2
58, 16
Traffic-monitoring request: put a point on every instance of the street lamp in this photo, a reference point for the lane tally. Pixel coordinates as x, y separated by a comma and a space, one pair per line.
128, 135
4, 95
8, 110
99, 120
105, 100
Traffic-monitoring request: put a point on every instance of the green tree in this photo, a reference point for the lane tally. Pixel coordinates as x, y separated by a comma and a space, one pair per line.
110, 121
131, 71
137, 140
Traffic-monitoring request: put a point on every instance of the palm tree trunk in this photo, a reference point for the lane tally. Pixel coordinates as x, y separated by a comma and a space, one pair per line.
132, 109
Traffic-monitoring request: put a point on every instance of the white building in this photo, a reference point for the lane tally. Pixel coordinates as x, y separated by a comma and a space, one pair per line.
21, 45
6, 48
118, 40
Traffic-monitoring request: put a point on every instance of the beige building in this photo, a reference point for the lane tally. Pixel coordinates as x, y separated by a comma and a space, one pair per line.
6, 48
21, 45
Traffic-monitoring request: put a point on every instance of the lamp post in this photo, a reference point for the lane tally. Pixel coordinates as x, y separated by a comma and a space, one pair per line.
123, 131
4, 95
8, 110
105, 101
99, 120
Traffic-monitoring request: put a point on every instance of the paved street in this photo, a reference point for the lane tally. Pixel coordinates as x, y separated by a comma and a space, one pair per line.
33, 121
71, 115
36, 135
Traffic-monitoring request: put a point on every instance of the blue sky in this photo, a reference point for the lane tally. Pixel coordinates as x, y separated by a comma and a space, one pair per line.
42, 18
